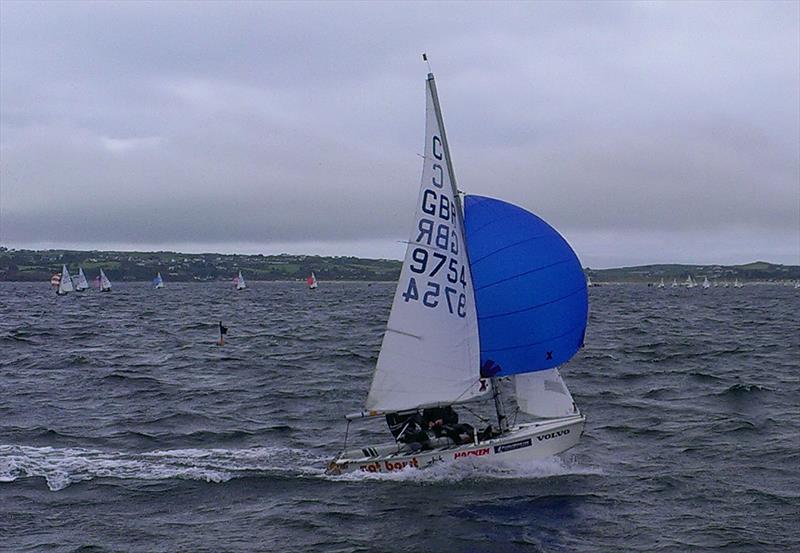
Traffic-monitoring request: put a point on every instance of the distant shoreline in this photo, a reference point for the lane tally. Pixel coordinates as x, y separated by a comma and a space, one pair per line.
40, 265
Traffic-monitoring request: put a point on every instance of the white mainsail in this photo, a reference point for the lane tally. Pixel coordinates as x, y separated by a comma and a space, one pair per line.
240, 284
82, 283
706, 284
543, 394
430, 351
65, 285
105, 284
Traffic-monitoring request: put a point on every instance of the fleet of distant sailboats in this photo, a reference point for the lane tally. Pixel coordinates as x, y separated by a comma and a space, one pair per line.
691, 283
63, 283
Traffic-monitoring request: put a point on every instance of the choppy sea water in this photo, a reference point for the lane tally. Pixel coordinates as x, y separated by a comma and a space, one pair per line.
124, 427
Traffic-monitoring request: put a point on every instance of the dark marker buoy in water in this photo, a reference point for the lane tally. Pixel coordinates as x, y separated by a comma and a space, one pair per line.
223, 330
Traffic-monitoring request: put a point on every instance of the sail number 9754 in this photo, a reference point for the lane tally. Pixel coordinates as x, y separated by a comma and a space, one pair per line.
434, 294
421, 259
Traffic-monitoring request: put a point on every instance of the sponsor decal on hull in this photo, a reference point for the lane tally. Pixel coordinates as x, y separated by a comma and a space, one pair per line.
472, 453
389, 466
512, 446
551, 435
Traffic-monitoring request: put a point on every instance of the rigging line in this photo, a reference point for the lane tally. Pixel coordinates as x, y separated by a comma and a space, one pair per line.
476, 415
346, 432
468, 389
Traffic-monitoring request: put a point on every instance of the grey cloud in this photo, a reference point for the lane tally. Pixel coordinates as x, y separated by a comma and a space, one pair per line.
274, 123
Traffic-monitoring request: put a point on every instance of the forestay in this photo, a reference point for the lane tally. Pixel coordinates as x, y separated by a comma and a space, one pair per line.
530, 289
430, 350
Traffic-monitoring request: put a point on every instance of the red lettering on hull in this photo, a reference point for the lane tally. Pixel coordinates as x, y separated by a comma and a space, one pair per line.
389, 466
471, 453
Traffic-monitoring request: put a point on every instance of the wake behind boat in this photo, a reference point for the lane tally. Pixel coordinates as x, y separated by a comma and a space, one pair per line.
487, 290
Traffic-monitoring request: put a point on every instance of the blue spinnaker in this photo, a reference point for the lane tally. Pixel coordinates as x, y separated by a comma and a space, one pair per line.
530, 290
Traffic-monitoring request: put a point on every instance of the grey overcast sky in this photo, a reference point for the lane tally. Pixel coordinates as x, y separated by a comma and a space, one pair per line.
645, 132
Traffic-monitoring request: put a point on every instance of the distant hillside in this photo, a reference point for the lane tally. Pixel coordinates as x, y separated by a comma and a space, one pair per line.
757, 271
31, 265
39, 265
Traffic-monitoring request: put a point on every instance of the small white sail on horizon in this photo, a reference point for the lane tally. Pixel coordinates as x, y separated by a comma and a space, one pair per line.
65, 284
661, 283
689, 282
736, 283
674, 282
312, 281
239, 282
158, 282
706, 284
105, 284
81, 283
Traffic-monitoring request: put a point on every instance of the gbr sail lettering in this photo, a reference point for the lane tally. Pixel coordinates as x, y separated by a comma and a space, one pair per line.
438, 277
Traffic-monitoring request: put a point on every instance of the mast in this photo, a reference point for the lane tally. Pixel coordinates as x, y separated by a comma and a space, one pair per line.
502, 420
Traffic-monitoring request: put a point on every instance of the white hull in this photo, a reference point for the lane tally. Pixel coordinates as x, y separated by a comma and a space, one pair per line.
524, 442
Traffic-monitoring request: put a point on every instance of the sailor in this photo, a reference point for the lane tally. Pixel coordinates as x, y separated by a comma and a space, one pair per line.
444, 421
407, 428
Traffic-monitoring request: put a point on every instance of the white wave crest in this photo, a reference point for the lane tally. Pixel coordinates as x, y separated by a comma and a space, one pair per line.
61, 467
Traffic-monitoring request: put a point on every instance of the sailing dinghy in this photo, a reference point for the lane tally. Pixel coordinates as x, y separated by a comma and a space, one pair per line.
706, 284
158, 282
81, 284
239, 282
104, 283
487, 290
312, 281
65, 284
